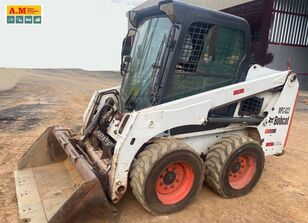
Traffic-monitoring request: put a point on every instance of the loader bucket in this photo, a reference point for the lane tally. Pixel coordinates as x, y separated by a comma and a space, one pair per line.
54, 183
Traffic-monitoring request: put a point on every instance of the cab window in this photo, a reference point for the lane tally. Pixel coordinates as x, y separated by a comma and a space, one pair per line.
210, 58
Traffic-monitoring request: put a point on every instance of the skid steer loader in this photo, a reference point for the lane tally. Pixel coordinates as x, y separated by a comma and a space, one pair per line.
192, 107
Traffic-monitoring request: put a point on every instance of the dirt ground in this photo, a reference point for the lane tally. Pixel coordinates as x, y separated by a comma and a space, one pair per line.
47, 97
8, 80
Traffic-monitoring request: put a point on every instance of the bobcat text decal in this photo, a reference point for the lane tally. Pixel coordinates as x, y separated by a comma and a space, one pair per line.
282, 119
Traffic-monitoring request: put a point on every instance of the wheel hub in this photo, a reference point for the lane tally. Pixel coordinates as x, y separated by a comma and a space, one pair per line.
236, 167
169, 178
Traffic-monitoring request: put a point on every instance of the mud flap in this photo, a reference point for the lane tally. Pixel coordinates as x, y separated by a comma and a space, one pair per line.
54, 183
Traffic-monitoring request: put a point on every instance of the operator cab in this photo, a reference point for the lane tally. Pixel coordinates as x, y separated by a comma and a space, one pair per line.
180, 50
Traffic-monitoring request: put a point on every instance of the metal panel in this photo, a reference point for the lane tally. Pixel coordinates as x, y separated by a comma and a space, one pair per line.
300, 39
306, 32
273, 29
290, 21
283, 24
289, 28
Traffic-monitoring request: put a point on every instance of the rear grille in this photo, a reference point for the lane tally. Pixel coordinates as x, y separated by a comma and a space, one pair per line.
251, 106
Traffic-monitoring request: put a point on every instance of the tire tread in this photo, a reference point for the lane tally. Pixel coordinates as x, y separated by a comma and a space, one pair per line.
218, 156
142, 166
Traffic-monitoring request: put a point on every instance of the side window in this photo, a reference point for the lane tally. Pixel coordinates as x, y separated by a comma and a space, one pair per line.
209, 59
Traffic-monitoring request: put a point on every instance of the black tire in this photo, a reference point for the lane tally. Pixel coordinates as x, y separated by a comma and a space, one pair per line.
226, 170
150, 171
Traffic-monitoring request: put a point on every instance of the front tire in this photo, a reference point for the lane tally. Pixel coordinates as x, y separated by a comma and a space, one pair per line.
166, 176
234, 165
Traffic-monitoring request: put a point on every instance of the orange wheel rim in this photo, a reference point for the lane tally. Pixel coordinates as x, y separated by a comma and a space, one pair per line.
174, 183
242, 171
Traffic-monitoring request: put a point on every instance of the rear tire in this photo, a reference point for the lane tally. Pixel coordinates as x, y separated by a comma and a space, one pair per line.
166, 176
234, 165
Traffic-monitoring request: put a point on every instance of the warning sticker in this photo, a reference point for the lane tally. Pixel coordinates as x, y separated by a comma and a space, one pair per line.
23, 14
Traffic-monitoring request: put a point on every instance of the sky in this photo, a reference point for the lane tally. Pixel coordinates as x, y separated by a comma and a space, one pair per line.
84, 34
130, 3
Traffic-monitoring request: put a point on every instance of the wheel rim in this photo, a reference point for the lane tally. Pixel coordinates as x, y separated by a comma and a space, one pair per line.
174, 183
242, 171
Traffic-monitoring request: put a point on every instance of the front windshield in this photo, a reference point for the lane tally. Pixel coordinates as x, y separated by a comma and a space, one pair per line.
150, 42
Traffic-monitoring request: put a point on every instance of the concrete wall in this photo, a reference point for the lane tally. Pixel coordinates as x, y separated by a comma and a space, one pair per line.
282, 53
299, 61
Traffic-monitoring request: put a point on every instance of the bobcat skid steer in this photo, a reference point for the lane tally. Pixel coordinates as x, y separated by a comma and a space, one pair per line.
191, 108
